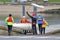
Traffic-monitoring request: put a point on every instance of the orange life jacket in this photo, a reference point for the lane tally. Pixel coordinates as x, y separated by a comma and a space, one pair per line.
9, 19
23, 20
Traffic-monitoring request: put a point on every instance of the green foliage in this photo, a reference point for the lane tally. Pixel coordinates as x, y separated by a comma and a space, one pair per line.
5, 0
53, 0
48, 0
33, 0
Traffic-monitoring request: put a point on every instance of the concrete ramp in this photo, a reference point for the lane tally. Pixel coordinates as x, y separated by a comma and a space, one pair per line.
52, 28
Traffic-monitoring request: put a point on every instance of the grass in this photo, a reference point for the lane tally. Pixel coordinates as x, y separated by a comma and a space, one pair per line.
5, 0
53, 0
48, 0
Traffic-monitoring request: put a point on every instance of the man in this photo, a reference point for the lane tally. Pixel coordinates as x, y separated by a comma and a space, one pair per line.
40, 19
33, 23
9, 21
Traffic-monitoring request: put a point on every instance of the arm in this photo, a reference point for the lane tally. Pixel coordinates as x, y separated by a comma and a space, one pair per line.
29, 15
12, 20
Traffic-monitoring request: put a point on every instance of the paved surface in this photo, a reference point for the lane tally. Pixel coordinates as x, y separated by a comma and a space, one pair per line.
29, 38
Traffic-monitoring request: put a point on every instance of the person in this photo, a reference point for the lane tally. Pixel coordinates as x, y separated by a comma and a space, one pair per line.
40, 19
44, 25
33, 23
9, 21
24, 20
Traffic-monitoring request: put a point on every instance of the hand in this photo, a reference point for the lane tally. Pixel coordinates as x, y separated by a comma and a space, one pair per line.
27, 12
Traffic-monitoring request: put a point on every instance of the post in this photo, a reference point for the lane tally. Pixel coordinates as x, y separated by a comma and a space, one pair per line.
4, 2
12, 1
18, 1
23, 10
35, 9
23, 6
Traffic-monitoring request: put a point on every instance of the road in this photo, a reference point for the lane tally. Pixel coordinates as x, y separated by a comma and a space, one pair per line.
29, 38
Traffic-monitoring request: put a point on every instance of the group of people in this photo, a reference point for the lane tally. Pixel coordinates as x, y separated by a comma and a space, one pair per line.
42, 23
35, 20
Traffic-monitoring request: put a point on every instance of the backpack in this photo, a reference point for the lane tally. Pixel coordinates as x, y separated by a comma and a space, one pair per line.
43, 23
9, 19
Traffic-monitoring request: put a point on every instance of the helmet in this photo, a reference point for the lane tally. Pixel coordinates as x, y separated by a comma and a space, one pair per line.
33, 14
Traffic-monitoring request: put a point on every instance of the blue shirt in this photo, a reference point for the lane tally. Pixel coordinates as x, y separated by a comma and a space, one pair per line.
39, 19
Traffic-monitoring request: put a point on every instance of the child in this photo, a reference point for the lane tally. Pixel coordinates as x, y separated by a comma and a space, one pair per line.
44, 25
